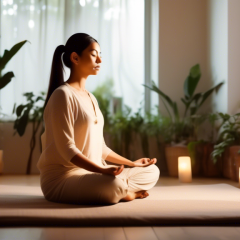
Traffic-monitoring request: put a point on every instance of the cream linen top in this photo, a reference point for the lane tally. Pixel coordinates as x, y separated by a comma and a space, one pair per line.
70, 128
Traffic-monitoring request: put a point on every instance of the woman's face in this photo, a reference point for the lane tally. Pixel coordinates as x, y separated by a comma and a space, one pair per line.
90, 59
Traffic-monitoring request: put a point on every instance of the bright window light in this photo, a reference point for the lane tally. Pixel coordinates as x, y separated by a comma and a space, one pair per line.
96, 4
10, 2
10, 11
31, 24
82, 3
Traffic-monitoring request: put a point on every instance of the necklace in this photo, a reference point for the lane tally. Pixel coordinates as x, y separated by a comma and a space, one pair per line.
96, 121
84, 90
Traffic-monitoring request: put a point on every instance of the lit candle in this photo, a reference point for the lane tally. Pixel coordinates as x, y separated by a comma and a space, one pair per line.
184, 169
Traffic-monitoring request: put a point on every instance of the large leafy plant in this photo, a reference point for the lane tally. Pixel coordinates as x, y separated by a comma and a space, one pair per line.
7, 56
185, 127
229, 133
29, 112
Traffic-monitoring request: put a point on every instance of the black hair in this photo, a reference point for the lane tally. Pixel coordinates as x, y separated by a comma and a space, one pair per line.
76, 43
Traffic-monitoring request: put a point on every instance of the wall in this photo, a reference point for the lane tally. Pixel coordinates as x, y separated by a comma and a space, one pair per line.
183, 43
233, 56
16, 149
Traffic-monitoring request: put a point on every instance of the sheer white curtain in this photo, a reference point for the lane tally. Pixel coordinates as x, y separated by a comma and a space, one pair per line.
118, 26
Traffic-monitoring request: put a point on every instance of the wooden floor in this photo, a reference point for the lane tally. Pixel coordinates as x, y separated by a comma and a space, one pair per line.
117, 233
121, 233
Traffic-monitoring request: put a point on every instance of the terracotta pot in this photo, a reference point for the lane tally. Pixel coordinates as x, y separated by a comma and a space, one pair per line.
210, 169
172, 154
157, 150
232, 163
1, 161
197, 164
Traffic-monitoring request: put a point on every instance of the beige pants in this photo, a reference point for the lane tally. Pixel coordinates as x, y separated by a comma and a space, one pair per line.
96, 188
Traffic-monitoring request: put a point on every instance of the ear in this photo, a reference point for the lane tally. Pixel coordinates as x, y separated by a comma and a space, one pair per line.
74, 58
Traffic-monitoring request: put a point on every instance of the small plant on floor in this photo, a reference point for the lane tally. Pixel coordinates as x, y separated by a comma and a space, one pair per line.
29, 112
229, 136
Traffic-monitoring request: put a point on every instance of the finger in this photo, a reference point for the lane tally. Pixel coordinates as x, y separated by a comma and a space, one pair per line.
120, 169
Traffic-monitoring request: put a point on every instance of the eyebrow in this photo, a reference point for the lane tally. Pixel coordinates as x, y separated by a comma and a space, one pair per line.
93, 50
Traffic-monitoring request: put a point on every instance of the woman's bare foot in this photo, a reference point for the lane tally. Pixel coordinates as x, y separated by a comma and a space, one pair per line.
132, 195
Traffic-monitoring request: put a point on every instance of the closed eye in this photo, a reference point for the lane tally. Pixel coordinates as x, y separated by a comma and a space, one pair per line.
95, 56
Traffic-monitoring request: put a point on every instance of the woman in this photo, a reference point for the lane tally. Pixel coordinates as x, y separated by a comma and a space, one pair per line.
72, 163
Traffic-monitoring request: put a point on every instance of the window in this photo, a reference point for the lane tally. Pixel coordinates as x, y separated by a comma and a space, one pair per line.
118, 26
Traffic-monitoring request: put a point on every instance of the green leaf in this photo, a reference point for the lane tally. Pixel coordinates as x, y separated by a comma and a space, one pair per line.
20, 109
192, 80
22, 123
209, 92
5, 79
9, 54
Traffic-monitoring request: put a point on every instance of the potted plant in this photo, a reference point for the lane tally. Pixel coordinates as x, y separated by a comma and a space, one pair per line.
27, 113
228, 145
6, 79
182, 129
156, 127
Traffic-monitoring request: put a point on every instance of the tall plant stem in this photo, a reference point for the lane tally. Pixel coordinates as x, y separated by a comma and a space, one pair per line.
32, 146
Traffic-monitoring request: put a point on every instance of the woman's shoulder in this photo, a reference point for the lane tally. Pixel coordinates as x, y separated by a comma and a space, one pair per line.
61, 94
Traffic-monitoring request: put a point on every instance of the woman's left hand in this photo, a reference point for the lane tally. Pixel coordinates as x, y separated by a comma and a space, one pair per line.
143, 162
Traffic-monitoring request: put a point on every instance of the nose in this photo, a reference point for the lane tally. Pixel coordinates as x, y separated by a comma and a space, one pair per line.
99, 60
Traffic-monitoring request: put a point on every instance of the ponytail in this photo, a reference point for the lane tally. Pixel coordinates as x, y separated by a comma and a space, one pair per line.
56, 76
76, 43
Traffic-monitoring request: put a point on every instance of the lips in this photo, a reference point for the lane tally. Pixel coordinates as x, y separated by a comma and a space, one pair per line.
97, 67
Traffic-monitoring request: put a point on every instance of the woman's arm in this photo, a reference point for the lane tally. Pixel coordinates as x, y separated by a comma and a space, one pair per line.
115, 158
83, 162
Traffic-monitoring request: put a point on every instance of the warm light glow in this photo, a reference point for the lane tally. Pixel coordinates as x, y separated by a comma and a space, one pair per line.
183, 165
184, 169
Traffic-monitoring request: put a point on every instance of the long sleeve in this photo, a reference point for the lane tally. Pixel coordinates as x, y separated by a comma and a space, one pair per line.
62, 124
105, 150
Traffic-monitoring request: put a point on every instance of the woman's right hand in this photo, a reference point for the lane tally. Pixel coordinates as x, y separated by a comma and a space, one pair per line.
112, 170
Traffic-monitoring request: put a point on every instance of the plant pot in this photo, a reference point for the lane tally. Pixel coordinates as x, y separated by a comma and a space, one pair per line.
1, 161
172, 154
210, 169
157, 150
232, 163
